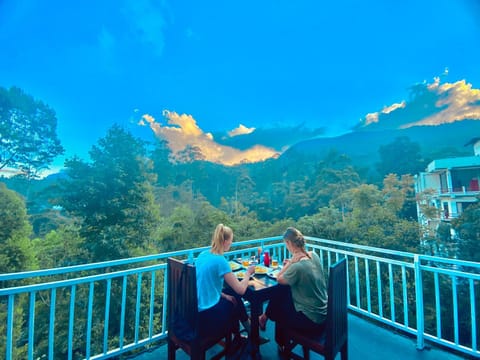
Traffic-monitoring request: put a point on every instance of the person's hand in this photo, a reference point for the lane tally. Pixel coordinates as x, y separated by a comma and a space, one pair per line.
286, 262
251, 270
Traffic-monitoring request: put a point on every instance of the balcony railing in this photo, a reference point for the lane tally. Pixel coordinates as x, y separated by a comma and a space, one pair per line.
461, 190
102, 310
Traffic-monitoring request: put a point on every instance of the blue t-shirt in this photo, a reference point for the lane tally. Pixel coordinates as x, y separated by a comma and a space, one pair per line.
210, 271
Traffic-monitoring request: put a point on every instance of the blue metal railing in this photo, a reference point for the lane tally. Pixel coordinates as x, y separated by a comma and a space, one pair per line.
102, 310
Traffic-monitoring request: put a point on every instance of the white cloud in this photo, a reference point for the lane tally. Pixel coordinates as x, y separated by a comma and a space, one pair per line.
455, 102
241, 130
184, 131
374, 117
459, 100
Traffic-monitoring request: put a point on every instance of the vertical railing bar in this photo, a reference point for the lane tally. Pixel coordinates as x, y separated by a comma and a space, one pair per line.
348, 281
405, 297
455, 308
329, 258
419, 302
392, 293
106, 320
89, 320
473, 316
165, 303
10, 310
367, 284
321, 258
137, 306
357, 285
438, 310
51, 325
152, 303
122, 314
31, 324
71, 320
379, 291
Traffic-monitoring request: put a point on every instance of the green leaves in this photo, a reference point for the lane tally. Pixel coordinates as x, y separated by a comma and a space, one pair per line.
17, 253
28, 138
112, 196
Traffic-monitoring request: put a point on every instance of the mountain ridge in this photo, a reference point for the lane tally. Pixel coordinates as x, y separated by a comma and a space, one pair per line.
362, 146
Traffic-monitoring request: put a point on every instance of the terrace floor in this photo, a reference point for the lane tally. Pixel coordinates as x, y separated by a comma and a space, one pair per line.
367, 341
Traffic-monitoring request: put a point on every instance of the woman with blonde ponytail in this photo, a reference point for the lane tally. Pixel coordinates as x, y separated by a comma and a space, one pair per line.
218, 309
301, 305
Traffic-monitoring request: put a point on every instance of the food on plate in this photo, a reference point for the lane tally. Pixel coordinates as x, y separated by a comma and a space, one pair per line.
234, 266
260, 269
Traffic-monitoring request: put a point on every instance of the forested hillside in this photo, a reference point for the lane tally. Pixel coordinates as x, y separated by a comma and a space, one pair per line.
129, 198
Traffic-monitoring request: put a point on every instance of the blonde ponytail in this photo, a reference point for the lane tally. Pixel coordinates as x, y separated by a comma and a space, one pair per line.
221, 234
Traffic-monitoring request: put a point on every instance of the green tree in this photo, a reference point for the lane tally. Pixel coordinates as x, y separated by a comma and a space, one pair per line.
162, 165
399, 195
28, 138
401, 157
467, 226
17, 253
61, 247
113, 197
374, 220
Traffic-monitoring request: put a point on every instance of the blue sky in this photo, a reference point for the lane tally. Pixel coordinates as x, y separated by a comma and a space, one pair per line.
220, 64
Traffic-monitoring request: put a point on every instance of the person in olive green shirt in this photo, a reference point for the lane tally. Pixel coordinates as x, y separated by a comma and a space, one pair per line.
303, 304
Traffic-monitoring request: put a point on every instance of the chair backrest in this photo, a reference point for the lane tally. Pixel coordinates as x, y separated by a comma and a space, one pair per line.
182, 294
336, 323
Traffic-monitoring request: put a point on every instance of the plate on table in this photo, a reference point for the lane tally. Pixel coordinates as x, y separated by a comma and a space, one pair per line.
261, 270
273, 273
241, 274
234, 265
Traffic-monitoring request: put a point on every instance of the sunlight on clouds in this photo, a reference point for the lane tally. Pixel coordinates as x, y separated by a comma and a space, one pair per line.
241, 130
373, 117
459, 99
185, 132
453, 102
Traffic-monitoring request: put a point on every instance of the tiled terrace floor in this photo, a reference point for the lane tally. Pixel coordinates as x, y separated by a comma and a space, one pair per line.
367, 341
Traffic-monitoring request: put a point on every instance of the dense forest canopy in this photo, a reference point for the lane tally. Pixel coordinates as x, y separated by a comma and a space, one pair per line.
130, 199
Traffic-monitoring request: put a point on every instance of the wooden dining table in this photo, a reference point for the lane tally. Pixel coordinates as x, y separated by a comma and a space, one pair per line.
261, 288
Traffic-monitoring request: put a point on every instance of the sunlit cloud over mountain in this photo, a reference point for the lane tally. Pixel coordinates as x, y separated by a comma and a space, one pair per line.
183, 133
430, 104
458, 101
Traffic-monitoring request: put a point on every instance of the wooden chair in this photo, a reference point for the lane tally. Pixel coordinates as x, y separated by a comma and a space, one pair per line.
334, 338
182, 314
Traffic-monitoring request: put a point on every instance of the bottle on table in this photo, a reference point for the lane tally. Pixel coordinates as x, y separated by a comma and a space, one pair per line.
266, 258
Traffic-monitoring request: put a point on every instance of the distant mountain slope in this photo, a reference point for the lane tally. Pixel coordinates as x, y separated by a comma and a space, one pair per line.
362, 146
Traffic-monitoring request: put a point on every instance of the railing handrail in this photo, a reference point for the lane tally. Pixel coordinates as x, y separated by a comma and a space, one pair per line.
139, 259
119, 262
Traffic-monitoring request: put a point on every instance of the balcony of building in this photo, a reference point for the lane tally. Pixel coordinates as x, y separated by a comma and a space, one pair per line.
402, 305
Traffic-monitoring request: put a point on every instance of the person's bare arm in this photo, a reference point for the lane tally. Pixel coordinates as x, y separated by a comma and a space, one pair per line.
280, 278
239, 286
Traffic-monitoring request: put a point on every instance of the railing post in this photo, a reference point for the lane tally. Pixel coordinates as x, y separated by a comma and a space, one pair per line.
419, 302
